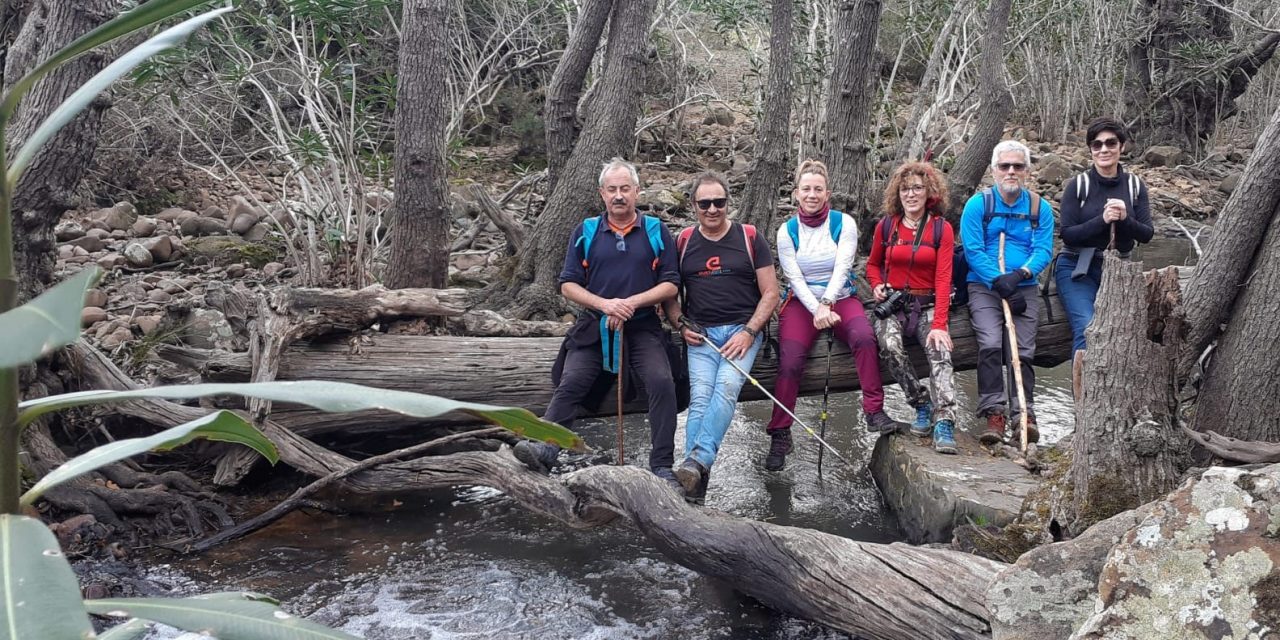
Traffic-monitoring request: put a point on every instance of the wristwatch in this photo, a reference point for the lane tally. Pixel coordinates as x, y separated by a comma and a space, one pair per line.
827, 301
751, 332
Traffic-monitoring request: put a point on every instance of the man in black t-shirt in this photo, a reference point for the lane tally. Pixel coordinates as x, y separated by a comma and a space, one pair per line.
730, 291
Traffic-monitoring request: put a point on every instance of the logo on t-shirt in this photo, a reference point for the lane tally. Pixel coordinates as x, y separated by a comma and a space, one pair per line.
713, 263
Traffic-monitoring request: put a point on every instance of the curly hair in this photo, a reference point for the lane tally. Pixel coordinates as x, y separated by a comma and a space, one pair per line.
935, 201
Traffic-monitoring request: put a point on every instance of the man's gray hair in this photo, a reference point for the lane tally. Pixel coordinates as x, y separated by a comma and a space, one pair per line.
1006, 147
615, 164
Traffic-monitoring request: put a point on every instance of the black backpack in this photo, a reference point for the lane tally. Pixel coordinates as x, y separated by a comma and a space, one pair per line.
960, 264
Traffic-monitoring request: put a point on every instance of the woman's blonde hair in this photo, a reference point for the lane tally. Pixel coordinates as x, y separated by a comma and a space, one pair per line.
815, 167
935, 203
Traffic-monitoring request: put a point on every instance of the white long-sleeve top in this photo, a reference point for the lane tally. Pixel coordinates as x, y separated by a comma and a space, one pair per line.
820, 267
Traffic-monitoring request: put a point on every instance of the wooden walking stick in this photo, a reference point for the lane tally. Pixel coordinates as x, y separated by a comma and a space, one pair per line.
1013, 353
621, 348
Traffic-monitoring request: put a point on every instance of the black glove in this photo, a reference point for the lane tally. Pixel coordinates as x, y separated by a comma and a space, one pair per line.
687, 323
1017, 304
1007, 284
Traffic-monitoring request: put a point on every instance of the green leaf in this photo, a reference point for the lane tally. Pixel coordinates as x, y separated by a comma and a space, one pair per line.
40, 596
131, 630
223, 426
49, 322
334, 397
77, 101
140, 17
218, 616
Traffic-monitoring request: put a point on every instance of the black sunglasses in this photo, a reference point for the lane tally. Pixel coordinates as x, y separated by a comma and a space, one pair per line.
1006, 166
1098, 143
718, 202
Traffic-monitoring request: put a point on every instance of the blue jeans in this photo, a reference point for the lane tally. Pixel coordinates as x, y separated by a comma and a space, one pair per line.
1077, 296
713, 393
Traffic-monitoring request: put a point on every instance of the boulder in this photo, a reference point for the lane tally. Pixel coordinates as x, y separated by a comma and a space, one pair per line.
1053, 170
1204, 562
1164, 156
68, 231
138, 255
202, 226
144, 227
90, 315
243, 222
208, 329
161, 248
225, 250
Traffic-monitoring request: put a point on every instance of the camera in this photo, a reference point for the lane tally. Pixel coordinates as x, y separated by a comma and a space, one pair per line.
893, 303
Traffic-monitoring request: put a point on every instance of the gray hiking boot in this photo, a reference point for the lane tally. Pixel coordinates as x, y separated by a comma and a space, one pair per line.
880, 422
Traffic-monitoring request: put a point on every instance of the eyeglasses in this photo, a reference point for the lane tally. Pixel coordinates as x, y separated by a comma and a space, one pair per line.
1010, 166
622, 241
707, 203
913, 189
1098, 143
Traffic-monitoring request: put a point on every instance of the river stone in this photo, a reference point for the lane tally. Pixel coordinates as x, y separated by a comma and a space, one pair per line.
110, 261
68, 231
160, 247
171, 214
1164, 156
148, 324
119, 217
1053, 170
215, 212
257, 233
931, 493
116, 338
144, 227
208, 329
225, 250
79, 252
202, 226
90, 315
1204, 563
89, 243
138, 255
1051, 589
235, 270
100, 234
95, 298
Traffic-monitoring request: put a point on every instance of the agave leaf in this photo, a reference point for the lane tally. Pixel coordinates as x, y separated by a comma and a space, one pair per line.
140, 17
77, 101
334, 397
39, 596
223, 618
223, 426
130, 630
49, 322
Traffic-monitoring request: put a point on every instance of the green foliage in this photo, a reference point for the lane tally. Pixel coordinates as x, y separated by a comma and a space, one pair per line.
225, 616
39, 597
49, 322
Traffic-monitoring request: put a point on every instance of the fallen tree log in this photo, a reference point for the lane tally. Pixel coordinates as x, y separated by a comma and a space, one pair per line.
516, 371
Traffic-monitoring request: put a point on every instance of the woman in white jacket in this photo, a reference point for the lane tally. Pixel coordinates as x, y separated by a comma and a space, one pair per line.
816, 249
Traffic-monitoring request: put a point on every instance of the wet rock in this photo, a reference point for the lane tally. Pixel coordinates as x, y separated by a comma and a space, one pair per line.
138, 255
1205, 562
208, 329
110, 261
119, 217
1164, 156
68, 231
91, 315
257, 233
160, 247
1053, 170
95, 298
202, 226
272, 269
144, 227
88, 243
1229, 183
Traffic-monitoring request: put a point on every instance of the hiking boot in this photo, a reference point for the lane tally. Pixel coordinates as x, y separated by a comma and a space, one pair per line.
778, 450
670, 478
924, 421
1033, 433
995, 430
944, 440
699, 494
880, 422
690, 473
538, 456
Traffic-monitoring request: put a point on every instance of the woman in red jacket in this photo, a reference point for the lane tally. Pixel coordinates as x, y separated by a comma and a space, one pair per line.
910, 274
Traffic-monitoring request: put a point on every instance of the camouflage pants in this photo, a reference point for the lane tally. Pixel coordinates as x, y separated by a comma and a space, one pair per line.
942, 387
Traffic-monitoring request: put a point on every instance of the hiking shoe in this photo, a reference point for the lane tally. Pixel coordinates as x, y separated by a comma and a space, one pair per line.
924, 421
699, 494
880, 422
778, 450
944, 440
995, 430
670, 478
690, 473
538, 456
1033, 433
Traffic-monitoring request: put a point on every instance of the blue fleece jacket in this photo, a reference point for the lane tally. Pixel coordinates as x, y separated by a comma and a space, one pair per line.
1023, 247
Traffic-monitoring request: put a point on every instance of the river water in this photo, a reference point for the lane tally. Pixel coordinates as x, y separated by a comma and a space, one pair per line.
470, 564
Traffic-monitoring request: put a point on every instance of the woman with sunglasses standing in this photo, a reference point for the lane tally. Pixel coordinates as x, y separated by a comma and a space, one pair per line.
729, 292
816, 249
1104, 207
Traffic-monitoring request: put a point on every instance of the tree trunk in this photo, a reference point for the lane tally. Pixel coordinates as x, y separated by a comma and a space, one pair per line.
420, 222
609, 131
46, 188
565, 89
769, 167
1227, 267
911, 145
1128, 448
1176, 101
853, 75
996, 103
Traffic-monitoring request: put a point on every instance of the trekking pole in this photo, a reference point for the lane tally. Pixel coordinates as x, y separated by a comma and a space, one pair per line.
621, 349
826, 389
1014, 358
770, 396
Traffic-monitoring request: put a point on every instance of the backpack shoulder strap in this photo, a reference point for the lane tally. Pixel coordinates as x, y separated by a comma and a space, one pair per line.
653, 229
1135, 187
937, 231
749, 235
988, 206
793, 230
590, 227
835, 222
682, 243
1035, 209
1082, 188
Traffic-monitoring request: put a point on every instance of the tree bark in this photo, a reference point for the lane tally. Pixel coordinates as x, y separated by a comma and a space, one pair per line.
45, 190
996, 103
853, 73
911, 144
567, 82
1226, 269
1128, 448
609, 131
420, 219
1176, 103
769, 167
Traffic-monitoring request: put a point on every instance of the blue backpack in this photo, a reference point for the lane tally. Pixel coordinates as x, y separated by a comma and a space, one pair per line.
652, 229
960, 264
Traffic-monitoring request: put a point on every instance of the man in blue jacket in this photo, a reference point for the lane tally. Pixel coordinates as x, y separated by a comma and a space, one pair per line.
1008, 211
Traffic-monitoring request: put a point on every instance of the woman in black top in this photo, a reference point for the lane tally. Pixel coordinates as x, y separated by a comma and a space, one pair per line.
1104, 207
